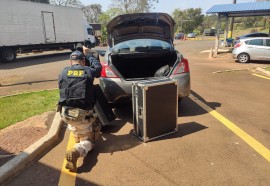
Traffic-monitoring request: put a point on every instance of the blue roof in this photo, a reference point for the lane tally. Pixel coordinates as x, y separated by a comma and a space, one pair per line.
241, 8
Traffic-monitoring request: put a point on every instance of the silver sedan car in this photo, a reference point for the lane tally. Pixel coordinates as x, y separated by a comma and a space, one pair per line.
252, 49
141, 47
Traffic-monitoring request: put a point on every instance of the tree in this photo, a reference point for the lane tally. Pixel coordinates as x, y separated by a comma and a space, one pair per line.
70, 3
187, 20
104, 19
133, 6
92, 12
209, 21
40, 1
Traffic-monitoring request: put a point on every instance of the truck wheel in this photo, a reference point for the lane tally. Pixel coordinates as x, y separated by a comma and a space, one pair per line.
8, 55
88, 45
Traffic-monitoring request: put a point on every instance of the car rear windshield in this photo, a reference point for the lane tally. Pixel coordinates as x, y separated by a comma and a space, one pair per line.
142, 45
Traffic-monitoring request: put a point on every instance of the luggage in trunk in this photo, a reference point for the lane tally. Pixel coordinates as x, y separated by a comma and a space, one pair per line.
102, 107
155, 108
141, 65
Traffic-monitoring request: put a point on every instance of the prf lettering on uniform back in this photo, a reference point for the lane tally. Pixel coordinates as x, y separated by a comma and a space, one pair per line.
75, 73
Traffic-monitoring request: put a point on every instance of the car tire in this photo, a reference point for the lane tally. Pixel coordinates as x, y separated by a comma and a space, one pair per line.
243, 58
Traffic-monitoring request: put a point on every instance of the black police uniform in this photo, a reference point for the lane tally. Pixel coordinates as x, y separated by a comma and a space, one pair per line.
76, 84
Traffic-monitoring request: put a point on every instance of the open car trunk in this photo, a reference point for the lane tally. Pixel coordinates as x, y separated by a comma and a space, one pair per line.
141, 65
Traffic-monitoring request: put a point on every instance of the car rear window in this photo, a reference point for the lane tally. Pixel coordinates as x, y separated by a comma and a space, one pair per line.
141, 45
257, 42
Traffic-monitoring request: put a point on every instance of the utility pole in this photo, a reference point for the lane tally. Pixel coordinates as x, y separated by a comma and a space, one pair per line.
231, 24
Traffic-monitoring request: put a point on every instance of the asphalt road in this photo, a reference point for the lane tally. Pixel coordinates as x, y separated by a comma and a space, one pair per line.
223, 138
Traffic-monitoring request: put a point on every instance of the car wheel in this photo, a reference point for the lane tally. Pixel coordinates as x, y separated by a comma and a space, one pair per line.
243, 58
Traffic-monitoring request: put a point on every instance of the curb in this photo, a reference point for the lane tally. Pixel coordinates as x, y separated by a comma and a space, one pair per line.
265, 72
260, 71
26, 157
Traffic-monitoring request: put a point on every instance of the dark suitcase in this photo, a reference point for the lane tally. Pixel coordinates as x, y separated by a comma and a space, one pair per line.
155, 108
102, 107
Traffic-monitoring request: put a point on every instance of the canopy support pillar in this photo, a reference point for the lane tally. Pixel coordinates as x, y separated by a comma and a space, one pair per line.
217, 36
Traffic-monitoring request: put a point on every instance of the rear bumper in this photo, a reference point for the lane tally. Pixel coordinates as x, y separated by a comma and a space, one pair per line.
116, 89
235, 53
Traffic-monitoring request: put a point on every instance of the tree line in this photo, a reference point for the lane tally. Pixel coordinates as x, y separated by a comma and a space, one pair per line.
188, 20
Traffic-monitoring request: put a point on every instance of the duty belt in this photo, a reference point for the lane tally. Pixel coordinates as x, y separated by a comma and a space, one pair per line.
77, 113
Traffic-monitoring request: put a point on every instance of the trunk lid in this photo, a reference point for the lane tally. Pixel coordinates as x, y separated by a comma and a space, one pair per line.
140, 25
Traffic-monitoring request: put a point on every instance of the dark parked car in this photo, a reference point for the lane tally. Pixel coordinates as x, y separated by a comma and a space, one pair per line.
255, 34
179, 36
140, 46
209, 32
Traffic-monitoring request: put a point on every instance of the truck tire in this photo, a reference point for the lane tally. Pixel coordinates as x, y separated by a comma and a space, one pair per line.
88, 44
8, 55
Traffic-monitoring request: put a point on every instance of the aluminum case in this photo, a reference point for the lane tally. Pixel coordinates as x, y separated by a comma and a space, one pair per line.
155, 108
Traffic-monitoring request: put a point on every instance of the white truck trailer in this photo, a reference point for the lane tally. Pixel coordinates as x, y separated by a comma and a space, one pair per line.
27, 26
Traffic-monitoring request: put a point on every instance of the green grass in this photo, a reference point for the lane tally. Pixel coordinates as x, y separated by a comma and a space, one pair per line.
268, 68
20, 107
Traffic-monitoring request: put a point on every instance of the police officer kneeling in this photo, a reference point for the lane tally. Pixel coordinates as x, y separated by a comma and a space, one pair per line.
77, 99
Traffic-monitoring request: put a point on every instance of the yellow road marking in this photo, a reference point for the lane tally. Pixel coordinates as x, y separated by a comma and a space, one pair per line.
68, 178
257, 146
261, 76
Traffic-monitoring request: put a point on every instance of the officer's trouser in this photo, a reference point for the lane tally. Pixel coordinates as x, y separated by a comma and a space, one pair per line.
83, 125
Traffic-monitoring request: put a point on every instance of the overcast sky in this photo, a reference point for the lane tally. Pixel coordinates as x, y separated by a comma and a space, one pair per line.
168, 6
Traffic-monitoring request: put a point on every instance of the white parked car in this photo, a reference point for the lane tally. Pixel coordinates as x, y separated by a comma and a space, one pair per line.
252, 49
191, 35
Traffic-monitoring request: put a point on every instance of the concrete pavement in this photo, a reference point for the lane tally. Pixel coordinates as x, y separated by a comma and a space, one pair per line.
164, 176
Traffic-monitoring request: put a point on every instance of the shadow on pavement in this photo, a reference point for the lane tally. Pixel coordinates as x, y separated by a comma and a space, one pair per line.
35, 60
188, 107
111, 142
184, 129
257, 62
28, 83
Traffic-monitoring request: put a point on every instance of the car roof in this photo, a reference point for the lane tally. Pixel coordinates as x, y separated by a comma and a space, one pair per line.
251, 38
253, 34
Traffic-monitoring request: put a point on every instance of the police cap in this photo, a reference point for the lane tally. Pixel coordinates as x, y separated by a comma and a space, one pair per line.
77, 55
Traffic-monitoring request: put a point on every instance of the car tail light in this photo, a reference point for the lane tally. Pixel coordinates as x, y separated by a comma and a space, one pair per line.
107, 71
238, 44
182, 67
